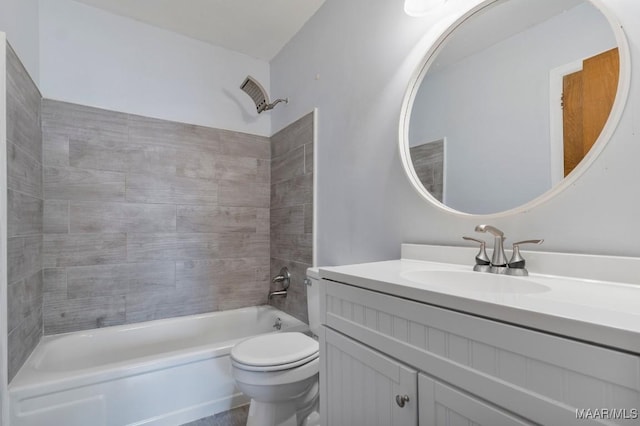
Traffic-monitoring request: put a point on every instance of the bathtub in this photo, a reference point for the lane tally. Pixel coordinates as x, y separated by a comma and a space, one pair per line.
164, 372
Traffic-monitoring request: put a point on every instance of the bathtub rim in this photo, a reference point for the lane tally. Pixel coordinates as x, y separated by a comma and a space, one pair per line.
30, 379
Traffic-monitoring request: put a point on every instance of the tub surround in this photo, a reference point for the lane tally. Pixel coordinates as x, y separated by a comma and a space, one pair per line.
25, 214
147, 219
292, 211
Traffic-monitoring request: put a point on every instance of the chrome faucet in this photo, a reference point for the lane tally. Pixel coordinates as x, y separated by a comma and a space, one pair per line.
277, 293
284, 277
498, 259
498, 263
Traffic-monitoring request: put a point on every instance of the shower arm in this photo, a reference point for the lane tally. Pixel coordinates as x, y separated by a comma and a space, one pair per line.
274, 103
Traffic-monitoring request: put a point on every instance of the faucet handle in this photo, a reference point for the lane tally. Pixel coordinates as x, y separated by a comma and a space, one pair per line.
517, 261
284, 277
481, 257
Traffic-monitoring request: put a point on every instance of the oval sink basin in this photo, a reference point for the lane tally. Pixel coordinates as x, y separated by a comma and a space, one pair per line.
475, 281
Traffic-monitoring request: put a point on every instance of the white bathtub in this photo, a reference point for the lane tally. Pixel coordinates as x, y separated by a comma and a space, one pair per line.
164, 372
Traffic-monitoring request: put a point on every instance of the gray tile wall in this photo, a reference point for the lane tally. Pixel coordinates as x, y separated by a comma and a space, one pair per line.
292, 210
25, 214
147, 219
428, 162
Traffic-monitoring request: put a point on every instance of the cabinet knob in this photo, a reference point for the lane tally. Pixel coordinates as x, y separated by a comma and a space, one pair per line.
401, 400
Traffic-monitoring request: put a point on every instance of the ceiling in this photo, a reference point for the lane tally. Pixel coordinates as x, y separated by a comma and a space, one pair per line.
258, 28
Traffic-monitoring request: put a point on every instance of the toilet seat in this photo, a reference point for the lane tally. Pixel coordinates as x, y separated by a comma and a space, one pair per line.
279, 367
287, 377
274, 352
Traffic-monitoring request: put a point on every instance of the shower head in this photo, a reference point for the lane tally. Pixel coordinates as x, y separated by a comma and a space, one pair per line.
255, 90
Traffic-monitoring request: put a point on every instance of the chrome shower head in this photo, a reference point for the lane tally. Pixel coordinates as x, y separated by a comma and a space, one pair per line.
259, 96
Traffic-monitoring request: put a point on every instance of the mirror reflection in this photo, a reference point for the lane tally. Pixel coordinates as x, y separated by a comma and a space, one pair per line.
513, 101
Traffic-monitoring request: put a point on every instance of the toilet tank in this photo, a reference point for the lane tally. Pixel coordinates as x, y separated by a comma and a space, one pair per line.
313, 299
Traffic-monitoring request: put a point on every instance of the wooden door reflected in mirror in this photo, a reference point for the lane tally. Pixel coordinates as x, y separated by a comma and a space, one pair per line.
587, 99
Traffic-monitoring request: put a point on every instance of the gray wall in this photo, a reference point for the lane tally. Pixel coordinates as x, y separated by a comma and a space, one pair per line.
25, 210
147, 219
292, 211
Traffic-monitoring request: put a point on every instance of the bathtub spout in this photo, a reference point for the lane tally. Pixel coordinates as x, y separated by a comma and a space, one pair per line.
277, 293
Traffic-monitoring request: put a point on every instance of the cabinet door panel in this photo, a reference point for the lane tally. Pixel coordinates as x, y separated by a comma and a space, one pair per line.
442, 405
361, 385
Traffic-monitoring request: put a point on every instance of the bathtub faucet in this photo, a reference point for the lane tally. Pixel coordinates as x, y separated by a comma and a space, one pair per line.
284, 277
277, 293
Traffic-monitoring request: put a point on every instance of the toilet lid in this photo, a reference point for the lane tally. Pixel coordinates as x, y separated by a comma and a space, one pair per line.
277, 349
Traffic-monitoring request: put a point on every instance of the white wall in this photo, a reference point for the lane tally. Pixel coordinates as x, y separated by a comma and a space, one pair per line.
365, 53
496, 103
96, 58
19, 20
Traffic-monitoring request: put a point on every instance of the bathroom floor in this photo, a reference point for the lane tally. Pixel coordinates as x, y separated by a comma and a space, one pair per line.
235, 417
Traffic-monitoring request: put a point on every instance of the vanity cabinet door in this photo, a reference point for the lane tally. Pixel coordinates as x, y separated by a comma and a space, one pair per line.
442, 405
362, 387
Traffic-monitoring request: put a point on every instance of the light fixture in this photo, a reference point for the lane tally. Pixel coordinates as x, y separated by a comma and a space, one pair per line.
421, 7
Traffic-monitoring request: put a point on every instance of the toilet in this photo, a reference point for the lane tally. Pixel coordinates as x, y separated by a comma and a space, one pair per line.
279, 371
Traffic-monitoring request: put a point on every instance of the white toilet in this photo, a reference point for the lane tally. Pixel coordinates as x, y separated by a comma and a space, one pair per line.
279, 371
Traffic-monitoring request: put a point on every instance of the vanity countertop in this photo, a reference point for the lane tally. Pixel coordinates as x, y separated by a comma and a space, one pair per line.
600, 312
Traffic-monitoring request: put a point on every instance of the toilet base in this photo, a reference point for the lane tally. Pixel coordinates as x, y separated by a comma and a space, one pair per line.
312, 419
309, 405
269, 414
299, 412
272, 414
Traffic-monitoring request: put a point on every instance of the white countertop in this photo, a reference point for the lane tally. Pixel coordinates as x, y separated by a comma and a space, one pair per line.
605, 313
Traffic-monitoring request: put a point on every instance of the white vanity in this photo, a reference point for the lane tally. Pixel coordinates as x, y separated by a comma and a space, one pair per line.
426, 341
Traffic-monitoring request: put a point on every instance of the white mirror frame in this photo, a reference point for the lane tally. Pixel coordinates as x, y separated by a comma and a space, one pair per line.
597, 148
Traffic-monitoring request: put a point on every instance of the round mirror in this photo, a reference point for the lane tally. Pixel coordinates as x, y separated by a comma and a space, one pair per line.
512, 103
